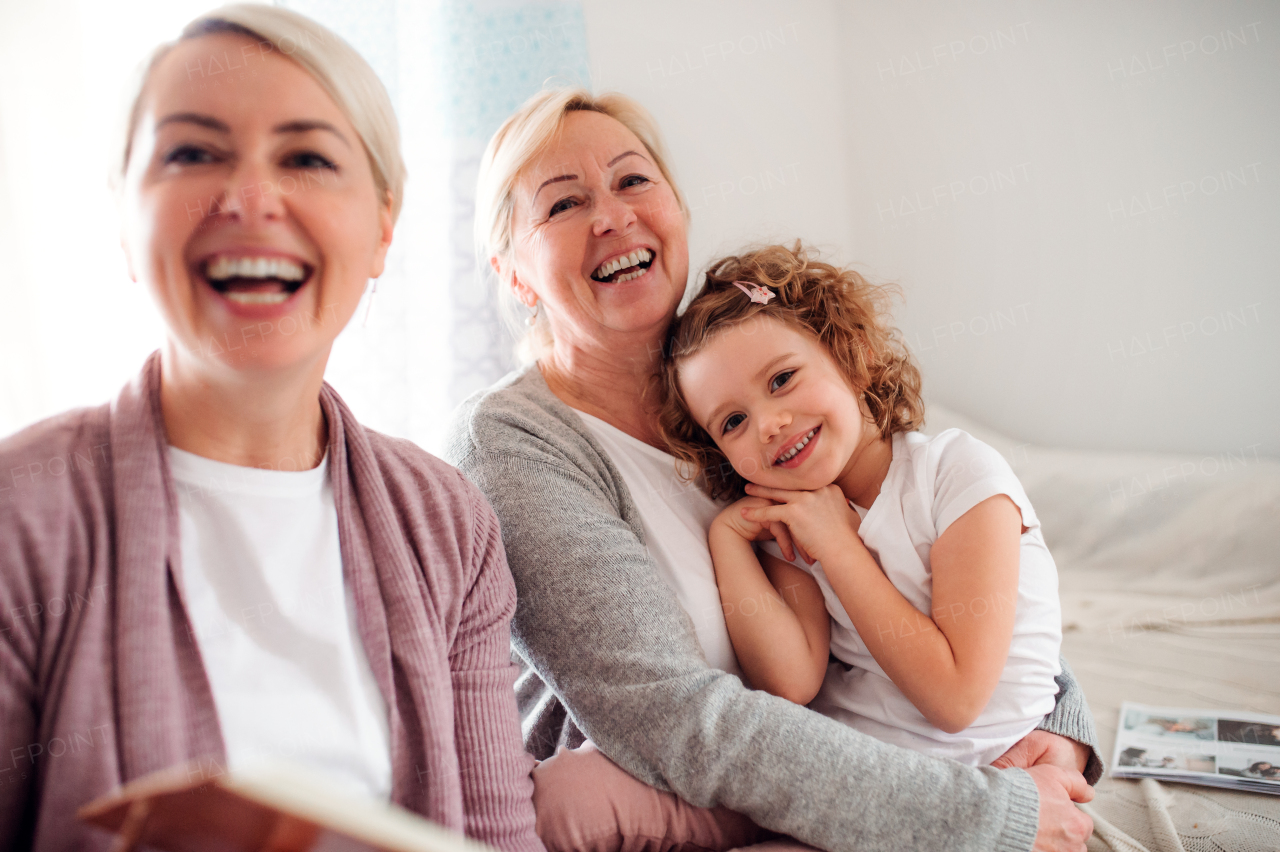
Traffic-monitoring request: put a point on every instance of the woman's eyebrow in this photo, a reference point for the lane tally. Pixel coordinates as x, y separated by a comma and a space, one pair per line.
552, 180
305, 125
626, 154
301, 125
575, 177
194, 118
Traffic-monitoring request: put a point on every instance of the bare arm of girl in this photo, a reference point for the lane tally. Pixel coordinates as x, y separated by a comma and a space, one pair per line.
948, 665
775, 612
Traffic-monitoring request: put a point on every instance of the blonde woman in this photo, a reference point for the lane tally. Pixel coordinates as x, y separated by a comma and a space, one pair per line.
619, 620
222, 565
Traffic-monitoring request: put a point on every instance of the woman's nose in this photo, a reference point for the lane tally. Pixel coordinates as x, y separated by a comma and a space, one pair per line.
613, 215
253, 193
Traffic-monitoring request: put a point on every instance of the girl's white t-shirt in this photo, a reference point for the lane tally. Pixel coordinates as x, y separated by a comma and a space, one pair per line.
676, 517
931, 482
263, 586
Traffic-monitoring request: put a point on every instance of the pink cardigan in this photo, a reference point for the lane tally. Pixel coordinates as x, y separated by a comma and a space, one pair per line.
101, 682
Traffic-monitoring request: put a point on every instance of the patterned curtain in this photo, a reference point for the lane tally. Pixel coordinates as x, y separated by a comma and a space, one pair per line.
431, 333
494, 56
428, 337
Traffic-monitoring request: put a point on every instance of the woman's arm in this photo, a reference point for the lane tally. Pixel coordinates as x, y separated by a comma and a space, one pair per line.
609, 637
19, 641
783, 639
1072, 722
497, 788
949, 665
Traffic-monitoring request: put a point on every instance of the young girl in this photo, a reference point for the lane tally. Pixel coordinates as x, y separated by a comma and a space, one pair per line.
916, 562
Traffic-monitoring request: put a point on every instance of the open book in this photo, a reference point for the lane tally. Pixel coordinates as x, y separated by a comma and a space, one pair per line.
273, 807
1217, 748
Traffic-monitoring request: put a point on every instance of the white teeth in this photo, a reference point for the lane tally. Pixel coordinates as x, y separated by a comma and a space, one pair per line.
791, 453
257, 298
224, 267
636, 257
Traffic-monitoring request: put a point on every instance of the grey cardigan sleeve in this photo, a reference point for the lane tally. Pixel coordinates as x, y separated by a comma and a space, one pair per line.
610, 639
1072, 719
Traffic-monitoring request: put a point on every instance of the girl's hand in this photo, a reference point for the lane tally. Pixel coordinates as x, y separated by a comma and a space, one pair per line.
732, 518
820, 522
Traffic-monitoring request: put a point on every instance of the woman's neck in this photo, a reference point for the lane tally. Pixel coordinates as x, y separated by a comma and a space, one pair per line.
616, 386
259, 419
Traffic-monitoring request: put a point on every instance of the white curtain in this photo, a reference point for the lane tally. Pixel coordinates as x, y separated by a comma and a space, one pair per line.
73, 328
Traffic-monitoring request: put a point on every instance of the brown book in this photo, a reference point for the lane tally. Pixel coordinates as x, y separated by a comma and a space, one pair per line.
274, 807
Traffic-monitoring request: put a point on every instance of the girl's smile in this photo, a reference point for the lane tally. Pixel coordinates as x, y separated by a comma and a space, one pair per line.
794, 456
777, 405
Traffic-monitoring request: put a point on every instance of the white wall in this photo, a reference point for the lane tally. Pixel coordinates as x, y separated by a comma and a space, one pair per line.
1131, 227
1115, 285
1078, 200
747, 96
74, 328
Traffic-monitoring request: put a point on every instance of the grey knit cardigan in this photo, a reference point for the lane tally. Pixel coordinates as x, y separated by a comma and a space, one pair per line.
608, 652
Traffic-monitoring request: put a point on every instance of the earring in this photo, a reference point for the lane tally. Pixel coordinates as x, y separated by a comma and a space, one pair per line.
533, 316
368, 308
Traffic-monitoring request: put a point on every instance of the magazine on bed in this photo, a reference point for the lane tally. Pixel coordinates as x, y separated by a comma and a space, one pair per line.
1217, 748
277, 806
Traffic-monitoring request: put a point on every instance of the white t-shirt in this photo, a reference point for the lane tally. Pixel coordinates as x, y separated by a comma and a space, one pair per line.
676, 516
262, 580
931, 482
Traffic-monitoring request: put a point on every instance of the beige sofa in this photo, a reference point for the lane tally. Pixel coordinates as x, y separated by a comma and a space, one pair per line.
1169, 571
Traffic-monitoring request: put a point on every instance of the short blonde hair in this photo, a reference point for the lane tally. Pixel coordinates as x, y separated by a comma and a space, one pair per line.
522, 138
336, 66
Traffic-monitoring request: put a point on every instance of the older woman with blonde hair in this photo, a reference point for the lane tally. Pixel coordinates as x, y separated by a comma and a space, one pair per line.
631, 692
222, 565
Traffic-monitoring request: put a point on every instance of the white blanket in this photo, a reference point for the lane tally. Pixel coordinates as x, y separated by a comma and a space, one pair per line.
1169, 572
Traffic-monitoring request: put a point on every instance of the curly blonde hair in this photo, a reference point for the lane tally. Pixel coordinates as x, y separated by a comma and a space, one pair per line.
847, 314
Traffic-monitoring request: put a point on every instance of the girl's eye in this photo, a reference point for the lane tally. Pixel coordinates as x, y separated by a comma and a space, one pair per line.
309, 160
561, 205
781, 379
733, 421
188, 155
633, 180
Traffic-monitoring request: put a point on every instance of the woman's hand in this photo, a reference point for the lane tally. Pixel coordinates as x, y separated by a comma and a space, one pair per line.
1055, 763
1039, 748
732, 518
820, 522
1063, 827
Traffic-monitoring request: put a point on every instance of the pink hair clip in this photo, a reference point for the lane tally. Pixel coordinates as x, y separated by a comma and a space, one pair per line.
755, 292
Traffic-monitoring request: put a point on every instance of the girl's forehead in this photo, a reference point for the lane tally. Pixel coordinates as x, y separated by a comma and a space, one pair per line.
761, 333
737, 350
